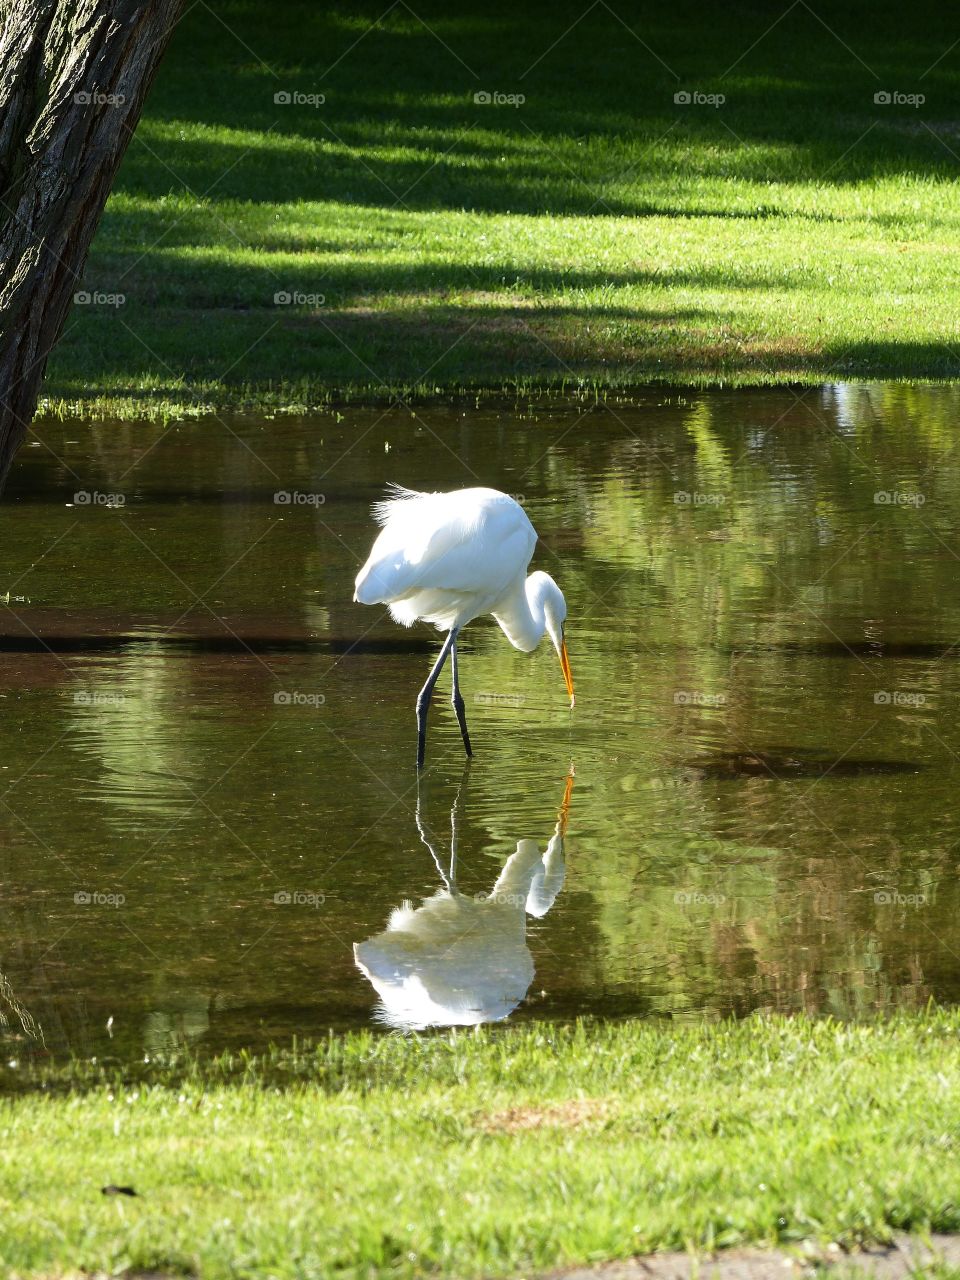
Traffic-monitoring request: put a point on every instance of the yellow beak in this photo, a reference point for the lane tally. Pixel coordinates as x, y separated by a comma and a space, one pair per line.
567, 673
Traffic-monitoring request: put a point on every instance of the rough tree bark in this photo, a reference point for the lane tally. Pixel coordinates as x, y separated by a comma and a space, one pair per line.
73, 77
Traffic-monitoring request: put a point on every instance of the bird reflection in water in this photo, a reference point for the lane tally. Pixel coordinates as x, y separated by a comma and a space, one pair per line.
462, 960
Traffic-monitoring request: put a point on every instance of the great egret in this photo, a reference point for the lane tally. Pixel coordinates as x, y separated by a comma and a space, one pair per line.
446, 558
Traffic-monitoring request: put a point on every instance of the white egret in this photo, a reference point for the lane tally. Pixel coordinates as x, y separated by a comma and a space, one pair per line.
446, 558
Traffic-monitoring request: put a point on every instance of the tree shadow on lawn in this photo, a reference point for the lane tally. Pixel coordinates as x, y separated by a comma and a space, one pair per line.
599, 134
357, 346
380, 351
180, 272
399, 118
665, 166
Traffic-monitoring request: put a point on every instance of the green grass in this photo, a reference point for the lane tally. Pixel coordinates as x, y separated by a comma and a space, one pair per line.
596, 237
488, 1153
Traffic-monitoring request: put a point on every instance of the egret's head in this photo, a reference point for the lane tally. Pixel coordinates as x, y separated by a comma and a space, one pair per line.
554, 617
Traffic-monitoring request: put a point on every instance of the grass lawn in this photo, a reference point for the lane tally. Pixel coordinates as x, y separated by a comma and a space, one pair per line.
490, 1153
595, 236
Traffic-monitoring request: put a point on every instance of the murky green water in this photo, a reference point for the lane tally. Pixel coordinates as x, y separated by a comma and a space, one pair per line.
765, 741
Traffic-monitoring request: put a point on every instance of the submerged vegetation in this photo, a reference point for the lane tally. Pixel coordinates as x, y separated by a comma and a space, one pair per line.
322, 204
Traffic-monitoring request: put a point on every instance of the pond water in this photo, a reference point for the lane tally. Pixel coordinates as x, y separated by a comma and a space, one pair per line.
209, 803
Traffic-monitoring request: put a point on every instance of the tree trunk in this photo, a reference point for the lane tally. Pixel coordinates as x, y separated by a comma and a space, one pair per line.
73, 77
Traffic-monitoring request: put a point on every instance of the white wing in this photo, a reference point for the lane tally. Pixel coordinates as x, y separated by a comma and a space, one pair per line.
445, 551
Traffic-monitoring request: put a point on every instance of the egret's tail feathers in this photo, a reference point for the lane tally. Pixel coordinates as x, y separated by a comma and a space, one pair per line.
396, 493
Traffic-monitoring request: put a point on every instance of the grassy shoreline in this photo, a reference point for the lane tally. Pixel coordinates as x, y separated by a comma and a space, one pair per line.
522, 397
494, 1152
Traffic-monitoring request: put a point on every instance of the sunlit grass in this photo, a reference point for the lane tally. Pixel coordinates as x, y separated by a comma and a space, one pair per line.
487, 1153
598, 234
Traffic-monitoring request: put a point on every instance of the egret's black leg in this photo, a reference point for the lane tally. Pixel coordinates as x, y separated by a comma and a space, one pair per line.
423, 697
458, 701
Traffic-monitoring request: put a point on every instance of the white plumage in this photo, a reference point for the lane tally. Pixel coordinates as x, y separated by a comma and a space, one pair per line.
446, 558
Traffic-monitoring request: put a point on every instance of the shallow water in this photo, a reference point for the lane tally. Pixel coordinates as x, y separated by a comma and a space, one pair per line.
208, 749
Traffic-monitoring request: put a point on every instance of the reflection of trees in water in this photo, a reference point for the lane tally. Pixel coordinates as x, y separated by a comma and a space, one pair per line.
697, 913
732, 569
140, 730
766, 572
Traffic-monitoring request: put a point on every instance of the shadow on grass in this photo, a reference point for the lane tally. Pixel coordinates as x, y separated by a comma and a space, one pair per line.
598, 124
399, 139
316, 356
186, 273
664, 166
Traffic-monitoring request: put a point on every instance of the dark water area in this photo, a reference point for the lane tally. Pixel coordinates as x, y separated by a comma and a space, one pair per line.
207, 792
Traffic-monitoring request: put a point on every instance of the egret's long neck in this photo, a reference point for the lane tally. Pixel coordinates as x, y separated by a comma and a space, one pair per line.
521, 616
